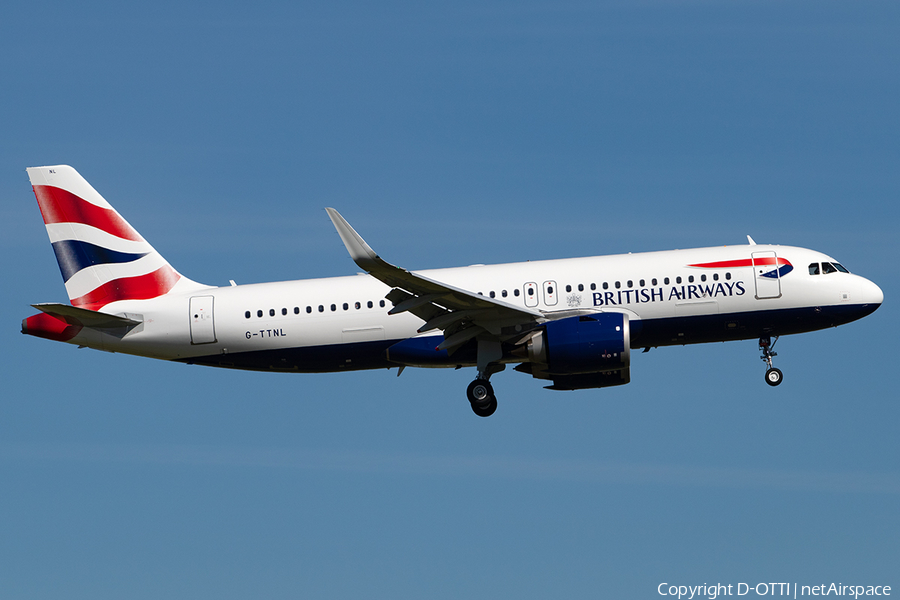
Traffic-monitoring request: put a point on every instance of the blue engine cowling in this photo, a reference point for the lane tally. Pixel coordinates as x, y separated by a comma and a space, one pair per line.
586, 351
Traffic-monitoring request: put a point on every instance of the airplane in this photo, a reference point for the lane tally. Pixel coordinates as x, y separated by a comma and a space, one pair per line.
570, 322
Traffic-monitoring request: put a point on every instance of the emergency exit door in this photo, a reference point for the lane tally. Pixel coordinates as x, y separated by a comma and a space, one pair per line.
203, 330
531, 295
550, 293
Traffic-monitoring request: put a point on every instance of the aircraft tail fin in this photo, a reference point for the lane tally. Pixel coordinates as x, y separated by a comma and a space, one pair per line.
101, 257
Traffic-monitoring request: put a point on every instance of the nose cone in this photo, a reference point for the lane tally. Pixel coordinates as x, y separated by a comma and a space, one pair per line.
871, 294
869, 297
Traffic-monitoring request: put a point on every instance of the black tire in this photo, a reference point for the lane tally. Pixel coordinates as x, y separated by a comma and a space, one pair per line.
485, 410
480, 392
774, 376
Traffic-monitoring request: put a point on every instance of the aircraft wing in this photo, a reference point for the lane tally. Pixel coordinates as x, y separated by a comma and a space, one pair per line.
460, 314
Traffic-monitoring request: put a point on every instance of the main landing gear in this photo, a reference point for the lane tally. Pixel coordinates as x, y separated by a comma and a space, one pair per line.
773, 375
481, 397
480, 393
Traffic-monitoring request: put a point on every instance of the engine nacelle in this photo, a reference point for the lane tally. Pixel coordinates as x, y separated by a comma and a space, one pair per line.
587, 351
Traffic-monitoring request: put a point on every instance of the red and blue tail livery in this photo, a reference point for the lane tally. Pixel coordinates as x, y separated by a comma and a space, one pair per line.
571, 323
101, 257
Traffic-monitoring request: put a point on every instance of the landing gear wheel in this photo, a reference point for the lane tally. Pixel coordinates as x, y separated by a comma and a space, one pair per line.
480, 391
485, 410
481, 397
774, 376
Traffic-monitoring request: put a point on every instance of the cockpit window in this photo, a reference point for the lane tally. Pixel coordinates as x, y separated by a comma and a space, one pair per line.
814, 269
828, 268
840, 268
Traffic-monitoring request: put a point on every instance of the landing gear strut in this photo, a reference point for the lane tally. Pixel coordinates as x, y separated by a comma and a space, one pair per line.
773, 375
480, 393
481, 397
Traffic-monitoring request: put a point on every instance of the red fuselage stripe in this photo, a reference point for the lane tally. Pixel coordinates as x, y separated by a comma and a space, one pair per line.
743, 262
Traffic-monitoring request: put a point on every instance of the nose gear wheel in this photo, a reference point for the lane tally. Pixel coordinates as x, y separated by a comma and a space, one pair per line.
773, 376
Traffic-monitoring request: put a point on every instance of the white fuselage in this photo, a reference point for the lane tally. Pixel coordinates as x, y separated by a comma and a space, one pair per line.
342, 323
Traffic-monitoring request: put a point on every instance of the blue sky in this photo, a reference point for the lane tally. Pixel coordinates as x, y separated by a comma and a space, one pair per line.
451, 134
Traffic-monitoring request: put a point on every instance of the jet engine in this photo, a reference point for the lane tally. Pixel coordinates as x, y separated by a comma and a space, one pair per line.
585, 351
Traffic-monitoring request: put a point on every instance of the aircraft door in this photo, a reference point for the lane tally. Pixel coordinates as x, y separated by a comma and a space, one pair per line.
550, 293
531, 294
766, 274
203, 330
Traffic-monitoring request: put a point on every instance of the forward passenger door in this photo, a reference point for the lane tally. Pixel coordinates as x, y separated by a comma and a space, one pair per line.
766, 274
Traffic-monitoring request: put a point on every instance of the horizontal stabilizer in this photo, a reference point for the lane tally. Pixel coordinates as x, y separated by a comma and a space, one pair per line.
87, 318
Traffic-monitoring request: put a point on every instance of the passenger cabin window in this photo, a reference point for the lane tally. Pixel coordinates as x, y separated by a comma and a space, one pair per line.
703, 277
666, 281
568, 288
503, 293
259, 313
283, 312
369, 304
580, 287
593, 286
271, 312
309, 309
678, 279
814, 269
516, 292
247, 314
715, 276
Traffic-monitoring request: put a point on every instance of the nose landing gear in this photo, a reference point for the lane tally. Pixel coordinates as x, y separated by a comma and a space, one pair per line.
773, 376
